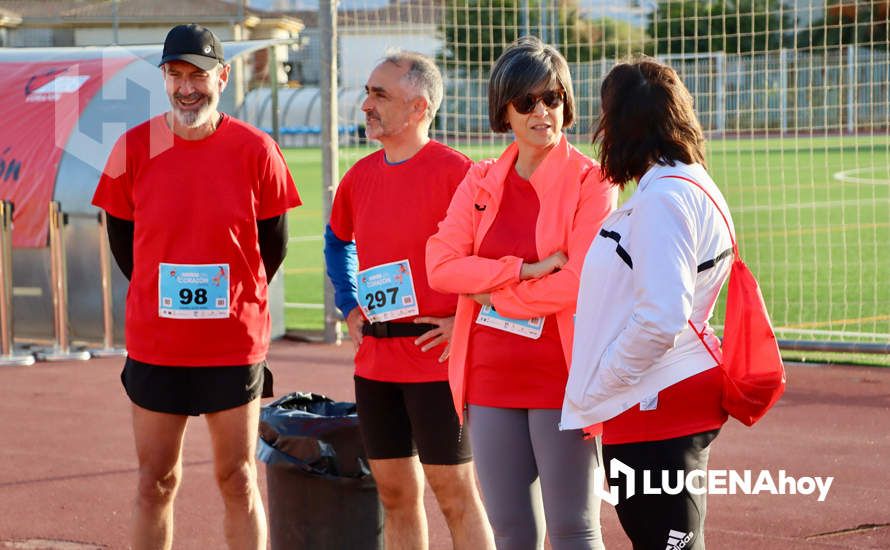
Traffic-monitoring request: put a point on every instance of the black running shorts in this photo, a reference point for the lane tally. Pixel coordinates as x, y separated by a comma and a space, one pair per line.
399, 420
193, 390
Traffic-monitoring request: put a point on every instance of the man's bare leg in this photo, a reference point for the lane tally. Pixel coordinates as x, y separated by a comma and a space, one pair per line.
234, 433
458, 497
158, 438
400, 485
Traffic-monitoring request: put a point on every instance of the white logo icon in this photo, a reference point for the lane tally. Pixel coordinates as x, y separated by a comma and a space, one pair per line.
207, 49
55, 88
678, 540
700, 482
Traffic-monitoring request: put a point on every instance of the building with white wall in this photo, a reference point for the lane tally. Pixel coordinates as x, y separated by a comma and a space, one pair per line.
364, 35
48, 23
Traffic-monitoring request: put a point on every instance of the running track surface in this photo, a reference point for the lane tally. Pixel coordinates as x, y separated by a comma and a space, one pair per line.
67, 472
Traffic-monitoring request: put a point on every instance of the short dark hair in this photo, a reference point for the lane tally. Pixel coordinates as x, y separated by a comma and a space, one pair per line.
647, 118
525, 65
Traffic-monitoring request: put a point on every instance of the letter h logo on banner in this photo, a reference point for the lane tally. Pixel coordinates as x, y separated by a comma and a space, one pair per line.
117, 91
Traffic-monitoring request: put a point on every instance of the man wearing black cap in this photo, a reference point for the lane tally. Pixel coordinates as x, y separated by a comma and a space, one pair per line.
197, 203
193, 54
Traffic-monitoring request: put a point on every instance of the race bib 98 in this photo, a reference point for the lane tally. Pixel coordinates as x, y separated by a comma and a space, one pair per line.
193, 291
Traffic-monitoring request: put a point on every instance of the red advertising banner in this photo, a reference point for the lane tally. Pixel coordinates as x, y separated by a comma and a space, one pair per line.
42, 103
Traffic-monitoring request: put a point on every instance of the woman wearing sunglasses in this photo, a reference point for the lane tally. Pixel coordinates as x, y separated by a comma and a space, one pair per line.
512, 246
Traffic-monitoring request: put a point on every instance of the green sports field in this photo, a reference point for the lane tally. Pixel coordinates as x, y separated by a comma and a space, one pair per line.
812, 216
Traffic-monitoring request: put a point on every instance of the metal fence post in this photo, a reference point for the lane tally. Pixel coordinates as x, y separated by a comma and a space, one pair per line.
720, 99
273, 89
327, 23
8, 357
61, 351
850, 85
108, 349
783, 91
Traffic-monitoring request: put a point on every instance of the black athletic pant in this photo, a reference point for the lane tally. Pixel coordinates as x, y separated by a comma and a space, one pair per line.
662, 521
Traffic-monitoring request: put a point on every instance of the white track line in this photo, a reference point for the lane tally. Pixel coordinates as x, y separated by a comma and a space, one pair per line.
806, 205
844, 176
873, 335
883, 336
305, 239
847, 176
300, 305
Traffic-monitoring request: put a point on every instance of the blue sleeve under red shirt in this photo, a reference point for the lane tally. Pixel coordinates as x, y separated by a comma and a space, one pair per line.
197, 202
390, 210
341, 264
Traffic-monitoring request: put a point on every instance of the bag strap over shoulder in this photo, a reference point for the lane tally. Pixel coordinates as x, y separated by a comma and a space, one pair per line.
735, 246
735, 251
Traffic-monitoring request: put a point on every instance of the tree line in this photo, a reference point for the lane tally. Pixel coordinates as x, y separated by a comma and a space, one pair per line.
476, 31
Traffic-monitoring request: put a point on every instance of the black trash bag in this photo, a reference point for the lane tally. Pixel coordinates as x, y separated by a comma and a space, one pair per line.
314, 433
320, 490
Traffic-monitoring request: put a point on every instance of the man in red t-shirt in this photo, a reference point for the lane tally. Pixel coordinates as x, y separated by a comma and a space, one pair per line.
196, 205
386, 207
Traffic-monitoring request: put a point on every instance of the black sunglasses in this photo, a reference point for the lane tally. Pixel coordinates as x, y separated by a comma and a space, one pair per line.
527, 103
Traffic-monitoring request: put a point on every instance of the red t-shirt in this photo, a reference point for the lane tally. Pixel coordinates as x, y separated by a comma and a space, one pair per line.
197, 202
390, 210
505, 369
688, 407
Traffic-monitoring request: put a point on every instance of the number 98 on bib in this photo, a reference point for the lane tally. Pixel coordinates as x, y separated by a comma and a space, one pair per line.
193, 291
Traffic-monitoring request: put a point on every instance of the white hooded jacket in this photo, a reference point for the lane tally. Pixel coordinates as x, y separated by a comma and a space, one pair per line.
658, 262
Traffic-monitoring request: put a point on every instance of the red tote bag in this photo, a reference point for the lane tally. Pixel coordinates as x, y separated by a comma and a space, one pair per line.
754, 375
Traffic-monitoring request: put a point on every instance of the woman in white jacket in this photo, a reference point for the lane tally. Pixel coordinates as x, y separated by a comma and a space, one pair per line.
648, 287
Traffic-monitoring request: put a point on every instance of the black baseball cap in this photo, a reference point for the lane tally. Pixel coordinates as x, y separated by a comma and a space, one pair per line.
193, 44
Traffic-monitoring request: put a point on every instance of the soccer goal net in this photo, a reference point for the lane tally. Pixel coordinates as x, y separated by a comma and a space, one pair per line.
794, 96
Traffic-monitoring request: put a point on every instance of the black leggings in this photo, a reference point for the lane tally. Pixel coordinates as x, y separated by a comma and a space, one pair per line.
660, 521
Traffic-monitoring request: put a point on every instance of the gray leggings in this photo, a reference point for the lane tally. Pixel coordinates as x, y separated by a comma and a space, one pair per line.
532, 473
